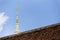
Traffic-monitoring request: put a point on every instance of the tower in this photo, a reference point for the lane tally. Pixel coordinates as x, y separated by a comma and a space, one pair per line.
17, 22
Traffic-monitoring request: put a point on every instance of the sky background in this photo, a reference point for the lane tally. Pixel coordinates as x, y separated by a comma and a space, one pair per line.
32, 14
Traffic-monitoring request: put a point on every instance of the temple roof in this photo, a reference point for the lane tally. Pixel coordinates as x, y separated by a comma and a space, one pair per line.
33, 30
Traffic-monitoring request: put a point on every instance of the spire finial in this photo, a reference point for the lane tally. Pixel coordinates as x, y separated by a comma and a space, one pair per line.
17, 22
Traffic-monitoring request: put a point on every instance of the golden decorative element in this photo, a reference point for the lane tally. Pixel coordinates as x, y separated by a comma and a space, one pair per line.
17, 22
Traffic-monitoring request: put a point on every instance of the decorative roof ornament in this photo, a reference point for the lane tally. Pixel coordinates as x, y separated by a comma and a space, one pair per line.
17, 22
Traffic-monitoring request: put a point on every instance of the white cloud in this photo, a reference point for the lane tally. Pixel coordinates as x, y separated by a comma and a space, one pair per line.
3, 19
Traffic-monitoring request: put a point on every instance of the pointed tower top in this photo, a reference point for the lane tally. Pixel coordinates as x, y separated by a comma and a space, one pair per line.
16, 7
17, 22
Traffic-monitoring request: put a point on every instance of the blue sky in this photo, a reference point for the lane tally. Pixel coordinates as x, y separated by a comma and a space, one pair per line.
32, 14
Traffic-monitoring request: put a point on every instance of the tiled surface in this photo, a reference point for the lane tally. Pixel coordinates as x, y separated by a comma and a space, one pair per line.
50, 33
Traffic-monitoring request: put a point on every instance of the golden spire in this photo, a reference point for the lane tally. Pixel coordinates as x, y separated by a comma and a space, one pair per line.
17, 23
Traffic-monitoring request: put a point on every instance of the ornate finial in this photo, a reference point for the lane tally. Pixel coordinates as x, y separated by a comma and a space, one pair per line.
17, 23
16, 7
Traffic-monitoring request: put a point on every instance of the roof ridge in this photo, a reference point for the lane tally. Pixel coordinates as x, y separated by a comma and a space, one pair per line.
21, 33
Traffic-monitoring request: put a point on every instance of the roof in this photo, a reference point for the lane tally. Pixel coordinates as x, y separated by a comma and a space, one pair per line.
37, 29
